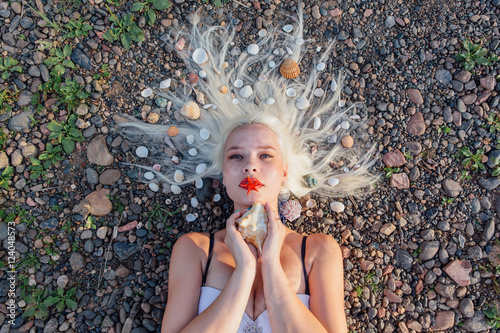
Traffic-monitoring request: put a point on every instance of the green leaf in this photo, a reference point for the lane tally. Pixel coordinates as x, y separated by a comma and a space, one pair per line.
60, 291
482, 61
59, 53
8, 171
469, 65
82, 95
151, 16
128, 19
68, 63
489, 313
137, 7
460, 57
68, 145
161, 4
29, 312
17, 69
71, 304
60, 306
74, 133
126, 40
67, 50
7, 62
51, 300
54, 126
43, 156
136, 34
86, 27
49, 62
109, 36
71, 292
59, 69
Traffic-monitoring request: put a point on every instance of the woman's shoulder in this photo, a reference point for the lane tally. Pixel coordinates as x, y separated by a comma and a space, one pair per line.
321, 246
192, 243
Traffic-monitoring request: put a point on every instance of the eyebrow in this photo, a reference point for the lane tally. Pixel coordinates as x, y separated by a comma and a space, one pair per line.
259, 147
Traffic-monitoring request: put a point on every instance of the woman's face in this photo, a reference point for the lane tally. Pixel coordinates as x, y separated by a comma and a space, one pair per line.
253, 151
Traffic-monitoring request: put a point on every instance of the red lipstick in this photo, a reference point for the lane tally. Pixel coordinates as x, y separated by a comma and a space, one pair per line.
251, 184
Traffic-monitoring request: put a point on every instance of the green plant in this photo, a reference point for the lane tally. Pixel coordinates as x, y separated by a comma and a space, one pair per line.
465, 175
445, 129
6, 176
37, 102
3, 137
51, 155
36, 304
103, 73
408, 155
7, 98
90, 223
75, 246
9, 65
77, 28
49, 22
217, 3
147, 8
445, 201
29, 261
493, 316
59, 59
359, 290
115, 3
67, 226
494, 121
62, 299
124, 29
472, 161
65, 133
158, 213
389, 171
37, 169
117, 203
473, 54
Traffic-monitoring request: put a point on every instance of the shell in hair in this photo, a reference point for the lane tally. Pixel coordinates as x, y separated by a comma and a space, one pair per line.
253, 225
289, 69
190, 110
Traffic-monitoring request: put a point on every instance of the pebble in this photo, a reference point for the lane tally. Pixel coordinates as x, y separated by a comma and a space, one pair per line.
467, 307
429, 250
81, 59
415, 96
443, 76
459, 271
416, 124
452, 188
21, 121
489, 184
99, 202
98, 153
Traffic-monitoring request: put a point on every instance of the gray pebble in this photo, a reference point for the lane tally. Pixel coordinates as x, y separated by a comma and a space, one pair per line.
467, 307
489, 230
475, 206
489, 183
429, 250
21, 121
443, 76
390, 21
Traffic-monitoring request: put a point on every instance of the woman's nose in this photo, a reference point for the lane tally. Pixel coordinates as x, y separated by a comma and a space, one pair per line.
250, 166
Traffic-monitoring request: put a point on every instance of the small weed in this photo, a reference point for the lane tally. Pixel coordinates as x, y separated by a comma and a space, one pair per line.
7, 99
389, 171
444, 129
77, 28
4, 136
62, 299
52, 155
38, 169
65, 133
75, 246
37, 102
445, 201
70, 93
493, 316
494, 121
90, 223
5, 177
124, 29
147, 8
359, 290
217, 3
473, 54
465, 175
8, 65
103, 73
36, 304
417, 252
66, 226
408, 155
56, 208
49, 22
472, 161
115, 3
29, 261
159, 214
117, 204
59, 60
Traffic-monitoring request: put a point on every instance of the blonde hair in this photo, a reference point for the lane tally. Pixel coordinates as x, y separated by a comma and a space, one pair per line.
307, 151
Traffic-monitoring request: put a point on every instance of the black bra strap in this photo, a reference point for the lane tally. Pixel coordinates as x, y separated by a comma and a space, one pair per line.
211, 247
304, 263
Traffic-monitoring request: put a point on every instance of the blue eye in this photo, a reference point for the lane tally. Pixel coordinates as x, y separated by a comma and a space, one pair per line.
236, 156
266, 155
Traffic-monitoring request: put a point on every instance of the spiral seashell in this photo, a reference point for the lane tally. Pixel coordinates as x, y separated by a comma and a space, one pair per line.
223, 89
190, 110
289, 69
172, 131
347, 141
291, 210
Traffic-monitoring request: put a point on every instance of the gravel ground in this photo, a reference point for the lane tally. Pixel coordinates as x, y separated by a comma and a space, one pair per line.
93, 242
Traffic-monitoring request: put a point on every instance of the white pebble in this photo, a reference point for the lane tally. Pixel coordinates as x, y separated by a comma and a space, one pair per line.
193, 152
262, 33
270, 101
318, 92
199, 183
238, 83
217, 197
289, 50
272, 64
321, 66
207, 106
165, 84
178, 176
341, 103
204, 134
345, 125
253, 49
333, 181
202, 74
176, 189
190, 217
333, 85
149, 175
147, 92
175, 159
142, 151
154, 187
201, 168
337, 207
290, 92
346, 170
236, 101
316, 123
288, 28
194, 202
190, 139
299, 41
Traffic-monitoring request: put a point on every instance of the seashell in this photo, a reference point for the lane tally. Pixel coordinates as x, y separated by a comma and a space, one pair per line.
175, 159
168, 142
154, 187
341, 103
262, 77
216, 71
316, 123
157, 167
217, 197
337, 207
347, 141
288, 28
169, 105
161, 102
246, 91
147, 92
289, 69
333, 181
180, 44
177, 73
253, 49
201, 168
190, 139
193, 77
318, 92
172, 131
321, 66
356, 167
291, 210
225, 64
345, 124
290, 92
262, 33
278, 52
299, 41
198, 183
302, 103
253, 225
193, 152
354, 116
310, 203
190, 110
168, 201
202, 74
190, 217
332, 138
333, 85
270, 101
238, 83
176, 189
236, 101
200, 56
272, 64
346, 170
207, 106
223, 89
142, 151
149, 175
153, 118
289, 51
178, 176
194, 202
204, 134
309, 213
165, 84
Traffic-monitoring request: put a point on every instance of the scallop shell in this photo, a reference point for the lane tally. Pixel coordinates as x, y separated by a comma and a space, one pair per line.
165, 84
142, 151
270, 101
310, 203
176, 189
318, 92
302, 103
289, 69
333, 181
198, 183
154, 187
321, 66
190, 139
200, 56
223, 89
190, 110
316, 123
238, 83
253, 225
291, 210
153, 118
337, 207
178, 176
246, 91
288, 28
262, 33
149, 175
204, 134
253, 49
290, 92
172, 131
193, 77
180, 44
201, 168
147, 92
347, 141
193, 152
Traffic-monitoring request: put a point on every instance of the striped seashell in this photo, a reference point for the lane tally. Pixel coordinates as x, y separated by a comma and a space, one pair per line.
289, 69
190, 110
153, 118
172, 131
291, 210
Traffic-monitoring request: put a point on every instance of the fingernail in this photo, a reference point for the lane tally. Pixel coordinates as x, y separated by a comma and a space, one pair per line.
237, 211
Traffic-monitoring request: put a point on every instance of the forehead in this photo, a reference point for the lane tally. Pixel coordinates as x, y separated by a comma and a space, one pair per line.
250, 136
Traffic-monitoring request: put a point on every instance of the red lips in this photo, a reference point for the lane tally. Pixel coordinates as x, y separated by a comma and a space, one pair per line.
251, 184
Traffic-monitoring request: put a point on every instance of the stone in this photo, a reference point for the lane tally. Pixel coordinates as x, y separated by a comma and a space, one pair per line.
81, 59
387, 229
124, 250
429, 250
415, 96
393, 298
489, 184
477, 324
49, 223
489, 230
452, 188
458, 271
493, 158
109, 176
466, 306
416, 124
404, 259
463, 76
447, 291
29, 151
92, 176
497, 205
488, 82
51, 326
414, 325
394, 159
16, 158
102, 232
122, 271
76, 261
469, 99
367, 265
443, 76
82, 208
25, 98
21, 122
98, 153
62, 281
400, 180
444, 320
494, 255
99, 202
4, 160
414, 147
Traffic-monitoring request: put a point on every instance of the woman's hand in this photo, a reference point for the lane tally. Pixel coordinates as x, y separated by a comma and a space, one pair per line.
276, 232
244, 254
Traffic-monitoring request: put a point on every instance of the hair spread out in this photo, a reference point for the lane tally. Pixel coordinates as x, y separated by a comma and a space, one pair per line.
313, 156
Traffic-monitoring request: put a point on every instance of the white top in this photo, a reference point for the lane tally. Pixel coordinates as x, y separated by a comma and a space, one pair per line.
260, 325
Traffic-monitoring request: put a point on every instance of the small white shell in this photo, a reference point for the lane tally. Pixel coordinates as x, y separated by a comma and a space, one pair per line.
193, 152
190, 139
169, 142
289, 50
316, 123
333, 181
253, 49
142, 151
207, 106
165, 84
176, 189
270, 101
341, 103
190, 217
175, 159
194, 202
288, 28
200, 56
201, 168
310, 203
333, 85
198, 183
318, 92
337, 207
236, 101
147, 92
202, 74
302, 103
238, 83
246, 91
262, 33
321, 66
299, 41
345, 125
332, 138
354, 116
204, 134
346, 170
272, 64
290, 92
178, 176
149, 175
154, 187
262, 77
217, 197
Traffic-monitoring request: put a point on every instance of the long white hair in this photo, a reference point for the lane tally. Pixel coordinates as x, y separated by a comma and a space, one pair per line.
313, 155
